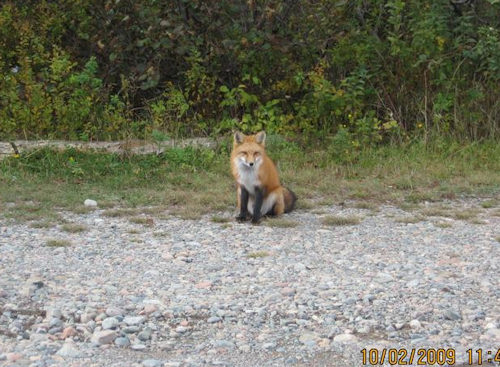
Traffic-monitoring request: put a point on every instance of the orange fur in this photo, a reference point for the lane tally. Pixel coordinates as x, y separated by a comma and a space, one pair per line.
248, 150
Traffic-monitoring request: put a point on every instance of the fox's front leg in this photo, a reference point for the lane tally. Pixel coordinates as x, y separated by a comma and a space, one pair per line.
257, 209
243, 201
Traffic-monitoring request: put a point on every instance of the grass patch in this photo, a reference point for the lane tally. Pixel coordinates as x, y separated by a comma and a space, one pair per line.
435, 212
280, 223
488, 204
365, 205
191, 182
257, 254
305, 204
145, 221
58, 243
83, 209
497, 239
116, 213
219, 219
443, 224
409, 219
73, 228
42, 224
465, 214
337, 220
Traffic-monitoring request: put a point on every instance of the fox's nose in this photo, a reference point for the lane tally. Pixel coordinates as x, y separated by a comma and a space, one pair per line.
251, 164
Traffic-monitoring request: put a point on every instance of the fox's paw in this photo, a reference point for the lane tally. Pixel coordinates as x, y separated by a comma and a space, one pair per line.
241, 218
255, 221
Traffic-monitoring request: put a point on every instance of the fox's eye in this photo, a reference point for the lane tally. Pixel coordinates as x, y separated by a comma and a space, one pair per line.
256, 154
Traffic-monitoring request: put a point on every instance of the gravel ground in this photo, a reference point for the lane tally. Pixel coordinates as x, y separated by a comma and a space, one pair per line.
199, 293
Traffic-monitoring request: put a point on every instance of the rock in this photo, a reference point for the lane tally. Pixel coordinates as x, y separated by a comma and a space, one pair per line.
109, 323
213, 319
492, 334
122, 341
287, 291
345, 338
103, 337
68, 332
90, 203
223, 344
134, 320
13, 357
138, 347
181, 329
415, 324
69, 350
152, 363
114, 311
450, 315
309, 339
55, 322
145, 334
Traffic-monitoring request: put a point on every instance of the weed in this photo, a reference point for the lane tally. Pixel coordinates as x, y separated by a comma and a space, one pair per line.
73, 228
335, 220
145, 221
257, 254
58, 243
409, 219
280, 223
219, 219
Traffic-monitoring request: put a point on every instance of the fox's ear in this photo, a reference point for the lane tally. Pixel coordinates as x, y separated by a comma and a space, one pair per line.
238, 137
260, 138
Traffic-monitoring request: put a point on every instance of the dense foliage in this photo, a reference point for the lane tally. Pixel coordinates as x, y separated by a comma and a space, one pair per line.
361, 71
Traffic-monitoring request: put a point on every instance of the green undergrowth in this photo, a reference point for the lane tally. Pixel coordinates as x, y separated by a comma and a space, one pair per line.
191, 182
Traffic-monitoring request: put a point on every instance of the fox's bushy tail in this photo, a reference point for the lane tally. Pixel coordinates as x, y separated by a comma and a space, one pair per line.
290, 198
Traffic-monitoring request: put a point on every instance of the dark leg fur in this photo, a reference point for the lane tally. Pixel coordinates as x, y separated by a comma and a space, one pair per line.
290, 203
259, 198
243, 205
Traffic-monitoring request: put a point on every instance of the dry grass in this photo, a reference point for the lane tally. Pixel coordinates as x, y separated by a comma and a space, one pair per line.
219, 219
116, 213
337, 220
58, 243
465, 214
145, 221
443, 224
73, 228
280, 222
257, 254
409, 219
368, 205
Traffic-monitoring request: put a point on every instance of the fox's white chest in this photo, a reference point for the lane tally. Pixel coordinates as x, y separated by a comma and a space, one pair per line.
248, 178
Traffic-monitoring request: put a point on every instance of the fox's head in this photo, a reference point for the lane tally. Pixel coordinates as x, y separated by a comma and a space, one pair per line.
249, 149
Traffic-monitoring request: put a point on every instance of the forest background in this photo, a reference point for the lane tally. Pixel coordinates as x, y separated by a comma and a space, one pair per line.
363, 72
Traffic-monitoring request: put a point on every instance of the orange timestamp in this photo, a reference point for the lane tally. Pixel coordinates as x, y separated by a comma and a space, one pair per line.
425, 356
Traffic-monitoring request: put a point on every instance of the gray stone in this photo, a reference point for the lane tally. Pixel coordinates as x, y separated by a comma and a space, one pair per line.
69, 350
152, 363
103, 337
109, 323
134, 320
90, 203
122, 341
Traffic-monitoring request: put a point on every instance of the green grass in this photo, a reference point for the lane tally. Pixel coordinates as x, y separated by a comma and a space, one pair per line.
192, 182
337, 220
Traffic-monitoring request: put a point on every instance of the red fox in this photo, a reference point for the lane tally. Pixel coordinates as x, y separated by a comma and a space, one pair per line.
259, 189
